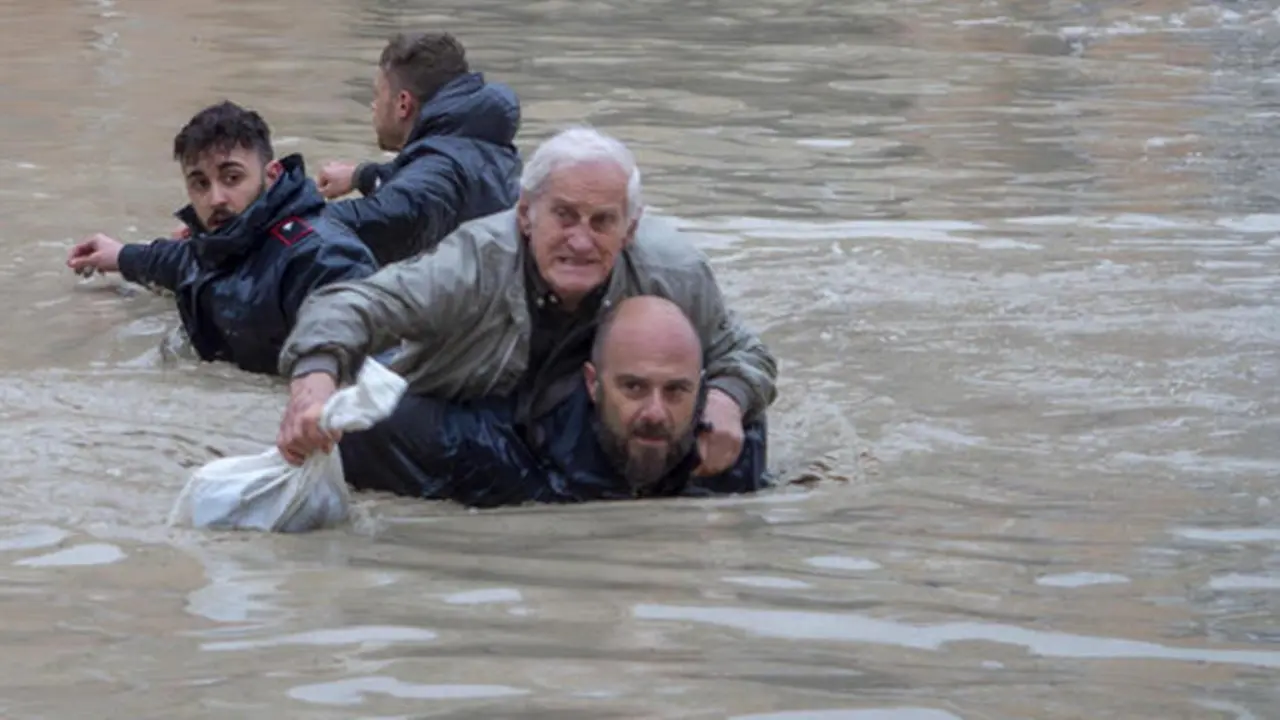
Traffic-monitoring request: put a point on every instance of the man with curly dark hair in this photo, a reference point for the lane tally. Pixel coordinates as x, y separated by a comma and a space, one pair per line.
256, 243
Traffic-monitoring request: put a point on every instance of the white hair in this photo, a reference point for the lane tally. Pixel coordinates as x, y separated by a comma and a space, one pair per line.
576, 146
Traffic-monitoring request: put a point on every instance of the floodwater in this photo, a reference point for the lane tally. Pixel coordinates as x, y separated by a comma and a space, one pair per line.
1019, 261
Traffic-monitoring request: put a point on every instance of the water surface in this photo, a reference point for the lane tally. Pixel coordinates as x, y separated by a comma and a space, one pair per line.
1019, 264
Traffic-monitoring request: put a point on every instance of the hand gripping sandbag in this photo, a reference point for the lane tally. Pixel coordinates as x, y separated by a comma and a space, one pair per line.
264, 492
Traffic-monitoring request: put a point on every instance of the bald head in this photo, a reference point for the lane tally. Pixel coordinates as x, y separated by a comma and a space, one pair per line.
644, 377
648, 327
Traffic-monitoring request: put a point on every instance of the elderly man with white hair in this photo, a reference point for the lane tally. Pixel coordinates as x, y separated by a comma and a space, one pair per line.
507, 306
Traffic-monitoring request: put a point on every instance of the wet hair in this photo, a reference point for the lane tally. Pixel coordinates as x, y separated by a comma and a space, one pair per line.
423, 63
578, 145
222, 128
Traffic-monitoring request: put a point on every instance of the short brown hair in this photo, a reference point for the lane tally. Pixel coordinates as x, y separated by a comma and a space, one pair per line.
423, 63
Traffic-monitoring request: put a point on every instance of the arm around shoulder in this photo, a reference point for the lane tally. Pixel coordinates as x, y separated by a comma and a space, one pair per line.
737, 361
340, 324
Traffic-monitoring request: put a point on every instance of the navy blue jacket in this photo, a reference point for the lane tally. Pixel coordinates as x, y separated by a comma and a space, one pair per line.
460, 163
238, 289
478, 455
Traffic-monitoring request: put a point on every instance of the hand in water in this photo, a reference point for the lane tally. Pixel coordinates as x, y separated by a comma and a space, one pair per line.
720, 446
300, 431
336, 179
97, 252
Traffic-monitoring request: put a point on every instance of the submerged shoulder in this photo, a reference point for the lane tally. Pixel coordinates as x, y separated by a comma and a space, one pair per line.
662, 245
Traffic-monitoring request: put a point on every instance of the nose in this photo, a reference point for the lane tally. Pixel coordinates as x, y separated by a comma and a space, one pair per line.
653, 410
579, 240
218, 195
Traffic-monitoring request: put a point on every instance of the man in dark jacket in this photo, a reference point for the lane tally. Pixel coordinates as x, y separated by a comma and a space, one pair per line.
628, 430
454, 133
257, 244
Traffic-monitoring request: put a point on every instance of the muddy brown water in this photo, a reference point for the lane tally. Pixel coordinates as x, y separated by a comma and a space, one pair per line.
1019, 261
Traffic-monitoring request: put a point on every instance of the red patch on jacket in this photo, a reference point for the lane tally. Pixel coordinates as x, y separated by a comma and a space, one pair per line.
291, 230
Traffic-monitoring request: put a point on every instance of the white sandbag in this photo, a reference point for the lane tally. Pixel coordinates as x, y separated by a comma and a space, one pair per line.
264, 492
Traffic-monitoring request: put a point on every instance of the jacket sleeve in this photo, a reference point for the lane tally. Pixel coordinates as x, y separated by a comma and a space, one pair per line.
420, 300
737, 361
370, 175
320, 264
411, 208
162, 263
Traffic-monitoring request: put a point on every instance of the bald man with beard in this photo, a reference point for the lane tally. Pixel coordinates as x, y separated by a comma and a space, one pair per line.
629, 431
643, 378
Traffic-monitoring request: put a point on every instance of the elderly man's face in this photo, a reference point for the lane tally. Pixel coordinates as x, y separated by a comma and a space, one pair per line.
576, 226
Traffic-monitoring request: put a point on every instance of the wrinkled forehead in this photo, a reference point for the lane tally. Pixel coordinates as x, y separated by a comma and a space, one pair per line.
657, 361
595, 183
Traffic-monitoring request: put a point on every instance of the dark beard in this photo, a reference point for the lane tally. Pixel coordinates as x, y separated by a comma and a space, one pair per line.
224, 220
219, 220
643, 473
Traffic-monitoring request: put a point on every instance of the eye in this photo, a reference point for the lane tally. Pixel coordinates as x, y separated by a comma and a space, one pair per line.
604, 222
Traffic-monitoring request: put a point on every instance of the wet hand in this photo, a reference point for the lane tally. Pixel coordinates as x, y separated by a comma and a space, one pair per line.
335, 179
300, 431
97, 252
720, 446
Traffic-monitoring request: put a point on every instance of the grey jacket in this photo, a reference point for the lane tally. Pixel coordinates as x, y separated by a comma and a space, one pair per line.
464, 318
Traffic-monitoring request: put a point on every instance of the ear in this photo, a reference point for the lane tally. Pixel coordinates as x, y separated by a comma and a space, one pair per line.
631, 230
406, 105
524, 218
589, 375
273, 171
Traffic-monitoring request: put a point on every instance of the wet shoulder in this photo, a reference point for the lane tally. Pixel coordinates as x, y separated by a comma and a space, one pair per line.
463, 151
661, 245
491, 235
493, 113
488, 246
501, 94
310, 233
